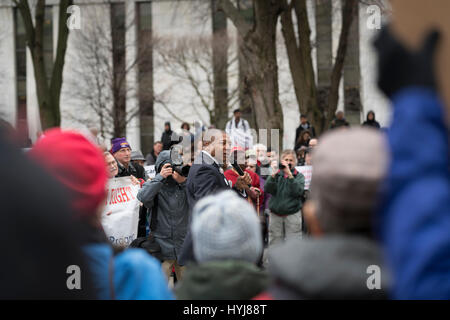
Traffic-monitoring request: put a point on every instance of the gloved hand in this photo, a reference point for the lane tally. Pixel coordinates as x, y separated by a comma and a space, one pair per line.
399, 67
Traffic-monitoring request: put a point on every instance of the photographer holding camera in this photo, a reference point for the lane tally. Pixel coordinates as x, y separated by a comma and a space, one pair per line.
286, 187
168, 190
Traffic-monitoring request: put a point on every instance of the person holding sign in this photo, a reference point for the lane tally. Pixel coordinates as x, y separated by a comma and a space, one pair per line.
121, 150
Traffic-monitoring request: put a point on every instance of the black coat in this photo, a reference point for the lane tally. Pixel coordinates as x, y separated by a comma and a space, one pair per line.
299, 130
205, 178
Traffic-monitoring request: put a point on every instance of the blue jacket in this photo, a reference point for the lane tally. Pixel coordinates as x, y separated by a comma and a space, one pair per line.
414, 218
136, 274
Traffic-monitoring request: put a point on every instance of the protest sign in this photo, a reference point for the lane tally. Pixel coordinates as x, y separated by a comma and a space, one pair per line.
307, 172
120, 217
151, 171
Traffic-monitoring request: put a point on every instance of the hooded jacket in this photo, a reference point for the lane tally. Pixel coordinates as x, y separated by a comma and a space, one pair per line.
330, 267
371, 123
173, 209
222, 280
168, 137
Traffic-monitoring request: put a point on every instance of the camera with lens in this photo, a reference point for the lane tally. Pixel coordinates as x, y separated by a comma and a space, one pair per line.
282, 166
177, 162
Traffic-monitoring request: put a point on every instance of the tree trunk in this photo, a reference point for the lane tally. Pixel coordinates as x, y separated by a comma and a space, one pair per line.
259, 53
349, 12
48, 96
319, 103
324, 57
300, 61
220, 66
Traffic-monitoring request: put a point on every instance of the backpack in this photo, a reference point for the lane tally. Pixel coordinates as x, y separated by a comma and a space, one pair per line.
149, 242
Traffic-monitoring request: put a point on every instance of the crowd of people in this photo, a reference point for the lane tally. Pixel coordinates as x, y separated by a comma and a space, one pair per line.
240, 222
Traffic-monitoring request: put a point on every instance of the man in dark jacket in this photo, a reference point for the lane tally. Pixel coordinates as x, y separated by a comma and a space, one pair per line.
172, 211
339, 121
304, 125
206, 177
168, 137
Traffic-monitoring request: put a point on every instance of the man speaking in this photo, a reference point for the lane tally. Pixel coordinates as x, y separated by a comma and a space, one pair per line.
206, 177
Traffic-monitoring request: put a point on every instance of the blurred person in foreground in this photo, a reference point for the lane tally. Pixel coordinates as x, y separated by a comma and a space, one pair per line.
333, 263
39, 242
227, 244
414, 216
132, 274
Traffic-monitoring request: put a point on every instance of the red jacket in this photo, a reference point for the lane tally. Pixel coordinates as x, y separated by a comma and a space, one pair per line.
232, 176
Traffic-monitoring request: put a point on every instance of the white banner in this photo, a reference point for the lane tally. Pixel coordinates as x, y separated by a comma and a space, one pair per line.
307, 172
150, 170
120, 217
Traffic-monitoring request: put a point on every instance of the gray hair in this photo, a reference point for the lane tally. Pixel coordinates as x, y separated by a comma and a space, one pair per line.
348, 169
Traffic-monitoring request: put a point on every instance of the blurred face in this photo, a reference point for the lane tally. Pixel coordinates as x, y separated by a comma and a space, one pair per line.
260, 153
308, 159
313, 143
290, 160
166, 127
340, 115
306, 136
111, 166
303, 120
251, 165
237, 115
158, 148
220, 148
370, 116
272, 156
123, 156
139, 162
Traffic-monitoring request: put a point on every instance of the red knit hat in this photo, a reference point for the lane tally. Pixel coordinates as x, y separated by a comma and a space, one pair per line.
77, 164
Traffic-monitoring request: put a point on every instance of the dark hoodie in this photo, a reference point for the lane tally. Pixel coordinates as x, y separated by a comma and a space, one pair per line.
222, 280
166, 137
371, 123
330, 267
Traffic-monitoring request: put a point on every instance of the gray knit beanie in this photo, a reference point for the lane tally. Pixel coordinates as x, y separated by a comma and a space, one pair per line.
224, 227
348, 167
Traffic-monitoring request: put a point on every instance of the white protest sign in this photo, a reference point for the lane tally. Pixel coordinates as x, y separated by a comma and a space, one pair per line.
151, 171
307, 172
120, 217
